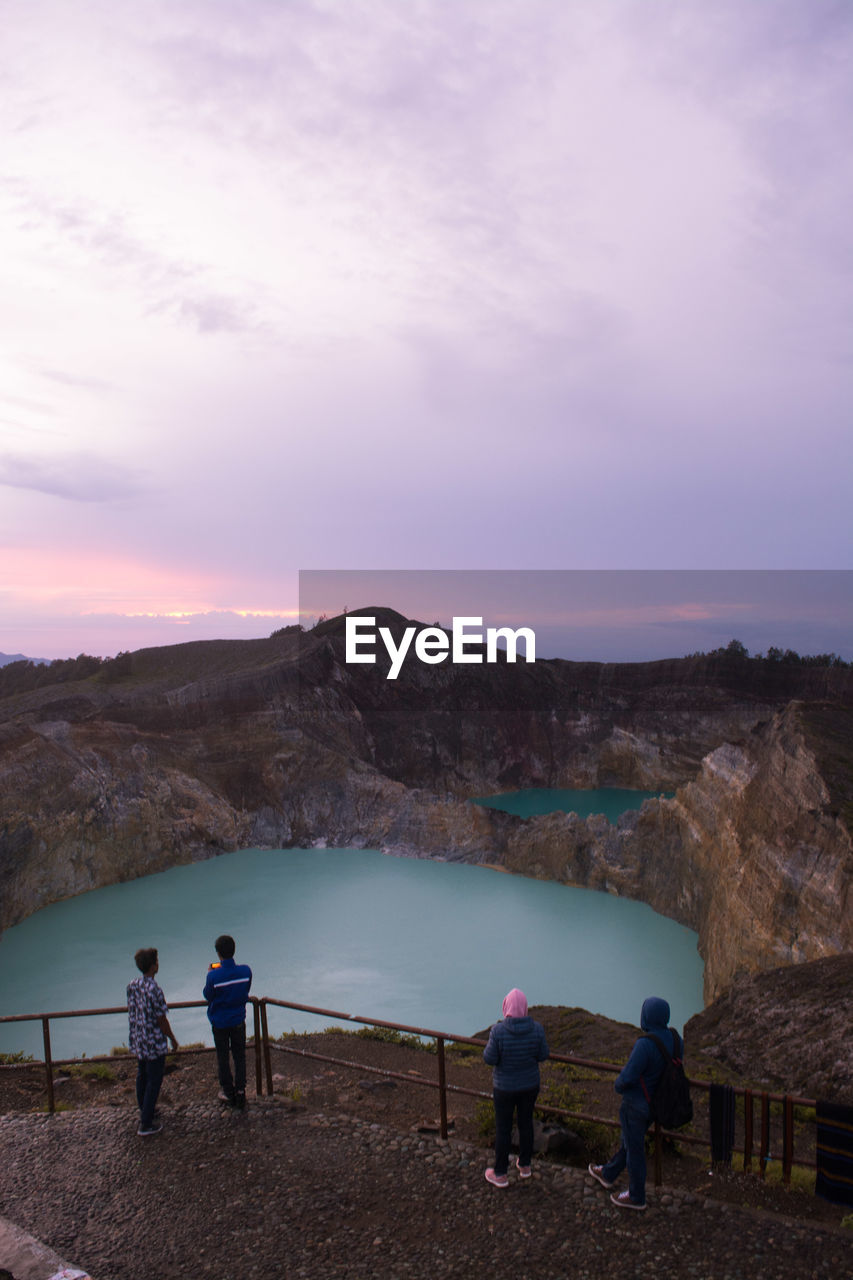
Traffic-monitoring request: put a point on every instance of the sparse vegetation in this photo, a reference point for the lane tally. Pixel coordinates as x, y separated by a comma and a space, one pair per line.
92, 1071
557, 1091
802, 1179
599, 1141
389, 1036
22, 676
484, 1118
465, 1055
736, 651
386, 1035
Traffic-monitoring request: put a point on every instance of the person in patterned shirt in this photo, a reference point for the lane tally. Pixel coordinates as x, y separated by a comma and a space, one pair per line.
149, 1032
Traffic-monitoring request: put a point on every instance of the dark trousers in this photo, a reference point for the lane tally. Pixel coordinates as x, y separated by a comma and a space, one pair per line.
634, 1121
507, 1104
149, 1077
231, 1043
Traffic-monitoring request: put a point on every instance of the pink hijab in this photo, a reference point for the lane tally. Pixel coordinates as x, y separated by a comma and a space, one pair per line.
515, 1004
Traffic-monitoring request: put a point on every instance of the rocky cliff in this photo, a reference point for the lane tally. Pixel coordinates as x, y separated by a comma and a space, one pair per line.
175, 754
786, 1030
751, 853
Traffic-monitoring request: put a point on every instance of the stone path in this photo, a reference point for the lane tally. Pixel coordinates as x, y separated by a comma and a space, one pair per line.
278, 1191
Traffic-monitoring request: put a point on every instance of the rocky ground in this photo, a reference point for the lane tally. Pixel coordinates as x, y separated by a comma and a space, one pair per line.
342, 1173
786, 1029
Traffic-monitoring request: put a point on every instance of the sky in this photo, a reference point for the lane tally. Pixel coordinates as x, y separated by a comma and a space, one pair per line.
437, 284
602, 615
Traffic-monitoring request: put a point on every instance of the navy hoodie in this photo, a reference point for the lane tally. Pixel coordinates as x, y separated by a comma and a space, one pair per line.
646, 1061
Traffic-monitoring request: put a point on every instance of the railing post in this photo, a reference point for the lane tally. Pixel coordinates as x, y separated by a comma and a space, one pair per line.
787, 1139
265, 1035
442, 1086
48, 1064
747, 1130
658, 1155
259, 1083
764, 1149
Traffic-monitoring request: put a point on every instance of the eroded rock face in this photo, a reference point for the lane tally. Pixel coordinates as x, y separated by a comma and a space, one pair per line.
775, 861
180, 753
788, 1028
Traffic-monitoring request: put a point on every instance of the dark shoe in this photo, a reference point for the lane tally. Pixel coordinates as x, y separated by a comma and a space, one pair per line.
147, 1133
624, 1201
239, 1100
595, 1170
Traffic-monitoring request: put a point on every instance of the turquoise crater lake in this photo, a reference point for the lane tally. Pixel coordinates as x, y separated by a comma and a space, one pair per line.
428, 943
611, 801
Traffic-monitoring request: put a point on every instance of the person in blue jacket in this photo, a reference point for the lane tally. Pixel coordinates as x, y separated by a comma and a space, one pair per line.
637, 1082
516, 1047
226, 991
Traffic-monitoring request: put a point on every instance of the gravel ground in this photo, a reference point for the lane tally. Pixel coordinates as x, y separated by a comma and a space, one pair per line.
286, 1191
342, 1174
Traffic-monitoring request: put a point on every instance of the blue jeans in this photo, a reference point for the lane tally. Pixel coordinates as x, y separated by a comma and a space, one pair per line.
231, 1042
507, 1104
149, 1077
634, 1121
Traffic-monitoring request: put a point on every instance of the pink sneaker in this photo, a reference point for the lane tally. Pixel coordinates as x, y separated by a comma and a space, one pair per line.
497, 1179
524, 1170
595, 1170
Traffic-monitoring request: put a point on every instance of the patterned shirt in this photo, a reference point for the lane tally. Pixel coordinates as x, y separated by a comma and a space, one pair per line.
146, 1004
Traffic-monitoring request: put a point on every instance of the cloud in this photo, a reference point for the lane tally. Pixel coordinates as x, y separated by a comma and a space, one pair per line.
78, 477
125, 255
75, 380
424, 283
211, 314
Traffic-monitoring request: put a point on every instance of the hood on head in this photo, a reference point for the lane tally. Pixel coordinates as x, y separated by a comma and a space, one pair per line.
655, 1014
515, 1004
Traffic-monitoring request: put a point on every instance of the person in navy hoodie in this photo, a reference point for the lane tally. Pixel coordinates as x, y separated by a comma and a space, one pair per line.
226, 991
516, 1047
637, 1082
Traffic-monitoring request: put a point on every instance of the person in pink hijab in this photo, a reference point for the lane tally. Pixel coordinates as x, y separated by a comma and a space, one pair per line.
516, 1047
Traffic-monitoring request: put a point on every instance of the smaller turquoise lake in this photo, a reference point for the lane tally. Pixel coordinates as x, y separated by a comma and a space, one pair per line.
611, 801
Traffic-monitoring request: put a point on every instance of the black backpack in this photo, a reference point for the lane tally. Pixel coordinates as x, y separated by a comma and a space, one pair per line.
671, 1105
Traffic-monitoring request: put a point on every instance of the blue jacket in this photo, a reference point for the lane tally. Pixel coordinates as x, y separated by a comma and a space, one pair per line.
515, 1049
226, 991
646, 1062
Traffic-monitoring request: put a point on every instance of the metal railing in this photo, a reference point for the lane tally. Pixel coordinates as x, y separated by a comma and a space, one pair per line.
265, 1045
49, 1062
440, 1082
